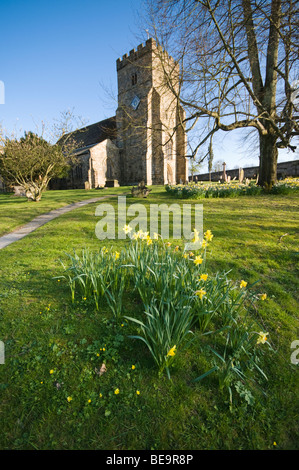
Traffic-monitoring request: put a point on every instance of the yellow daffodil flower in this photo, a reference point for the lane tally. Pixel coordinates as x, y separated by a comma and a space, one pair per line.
208, 236
144, 235
116, 392
262, 337
172, 351
263, 296
203, 277
127, 229
243, 284
200, 293
198, 260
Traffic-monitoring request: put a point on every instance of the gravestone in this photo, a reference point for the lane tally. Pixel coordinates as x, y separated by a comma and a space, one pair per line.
140, 191
241, 175
224, 176
112, 183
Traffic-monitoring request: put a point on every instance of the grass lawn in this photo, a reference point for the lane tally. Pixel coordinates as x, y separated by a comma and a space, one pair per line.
17, 211
54, 349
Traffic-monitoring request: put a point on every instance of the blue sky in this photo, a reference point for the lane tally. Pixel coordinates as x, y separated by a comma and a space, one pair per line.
55, 55
59, 55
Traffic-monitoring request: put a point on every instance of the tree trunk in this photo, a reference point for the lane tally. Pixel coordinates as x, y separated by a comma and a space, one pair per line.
34, 193
268, 161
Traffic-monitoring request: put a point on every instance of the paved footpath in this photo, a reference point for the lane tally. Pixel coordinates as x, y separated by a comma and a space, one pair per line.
40, 220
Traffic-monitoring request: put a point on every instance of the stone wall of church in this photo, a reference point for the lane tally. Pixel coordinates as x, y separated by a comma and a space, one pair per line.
77, 175
103, 164
134, 80
166, 114
284, 170
150, 148
181, 150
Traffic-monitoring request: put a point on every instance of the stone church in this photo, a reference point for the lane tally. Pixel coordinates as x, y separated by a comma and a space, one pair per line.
146, 139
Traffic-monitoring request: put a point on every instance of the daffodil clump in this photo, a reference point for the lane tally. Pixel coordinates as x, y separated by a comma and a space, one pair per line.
177, 295
286, 186
237, 357
202, 190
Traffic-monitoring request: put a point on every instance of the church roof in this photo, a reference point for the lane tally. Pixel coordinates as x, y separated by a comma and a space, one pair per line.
91, 135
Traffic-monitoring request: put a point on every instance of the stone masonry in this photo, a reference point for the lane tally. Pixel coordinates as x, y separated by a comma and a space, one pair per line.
284, 170
151, 139
146, 140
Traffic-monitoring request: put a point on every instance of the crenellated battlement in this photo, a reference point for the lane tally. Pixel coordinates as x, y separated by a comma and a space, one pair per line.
150, 46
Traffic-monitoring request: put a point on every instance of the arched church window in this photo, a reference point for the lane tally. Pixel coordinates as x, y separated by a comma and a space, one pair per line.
168, 150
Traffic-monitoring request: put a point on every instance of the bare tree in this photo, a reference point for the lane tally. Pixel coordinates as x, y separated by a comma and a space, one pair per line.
66, 129
195, 165
238, 68
211, 157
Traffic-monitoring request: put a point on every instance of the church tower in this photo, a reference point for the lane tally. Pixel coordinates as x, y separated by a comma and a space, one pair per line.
150, 134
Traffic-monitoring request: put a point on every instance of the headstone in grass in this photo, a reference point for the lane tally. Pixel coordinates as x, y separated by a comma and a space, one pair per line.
241, 175
112, 183
140, 191
224, 176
